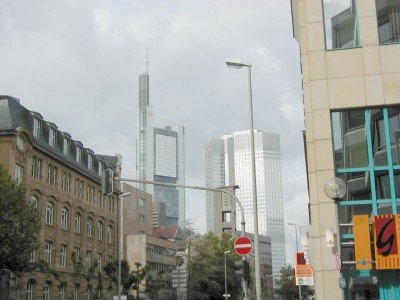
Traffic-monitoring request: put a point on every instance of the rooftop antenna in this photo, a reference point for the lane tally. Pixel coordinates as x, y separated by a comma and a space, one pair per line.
147, 60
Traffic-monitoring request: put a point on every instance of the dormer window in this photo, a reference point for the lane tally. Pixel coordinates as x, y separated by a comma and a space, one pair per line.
37, 127
90, 161
52, 137
66, 147
78, 154
100, 170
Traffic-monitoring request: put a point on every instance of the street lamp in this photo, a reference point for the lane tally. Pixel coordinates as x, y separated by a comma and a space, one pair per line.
239, 64
297, 249
226, 284
120, 197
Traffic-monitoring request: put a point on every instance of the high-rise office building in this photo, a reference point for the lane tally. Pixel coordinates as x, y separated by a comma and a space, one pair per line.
228, 162
350, 63
161, 158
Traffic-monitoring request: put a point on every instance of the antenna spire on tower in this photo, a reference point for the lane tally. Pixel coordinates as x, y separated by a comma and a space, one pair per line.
147, 60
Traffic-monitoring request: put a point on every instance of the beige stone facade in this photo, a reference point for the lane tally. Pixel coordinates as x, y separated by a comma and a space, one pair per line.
359, 77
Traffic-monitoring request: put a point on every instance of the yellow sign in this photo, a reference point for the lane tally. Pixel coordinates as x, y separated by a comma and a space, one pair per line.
362, 242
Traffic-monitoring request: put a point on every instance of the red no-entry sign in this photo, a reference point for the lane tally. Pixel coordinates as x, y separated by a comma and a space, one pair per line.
243, 245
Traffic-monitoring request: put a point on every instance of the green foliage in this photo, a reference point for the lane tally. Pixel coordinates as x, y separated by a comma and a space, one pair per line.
286, 285
19, 226
206, 268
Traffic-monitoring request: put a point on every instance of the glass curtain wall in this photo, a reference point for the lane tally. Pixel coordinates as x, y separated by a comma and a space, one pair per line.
341, 24
366, 146
388, 14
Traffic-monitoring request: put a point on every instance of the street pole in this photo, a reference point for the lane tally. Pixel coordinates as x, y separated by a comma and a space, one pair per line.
297, 249
120, 211
239, 64
226, 284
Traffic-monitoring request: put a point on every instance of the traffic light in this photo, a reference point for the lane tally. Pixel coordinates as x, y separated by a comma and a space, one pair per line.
107, 185
242, 269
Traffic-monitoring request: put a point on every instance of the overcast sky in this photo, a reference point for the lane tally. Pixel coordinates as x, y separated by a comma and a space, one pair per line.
78, 62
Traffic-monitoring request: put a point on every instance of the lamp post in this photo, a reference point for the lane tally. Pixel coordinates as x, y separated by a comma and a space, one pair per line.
297, 249
120, 197
226, 284
239, 65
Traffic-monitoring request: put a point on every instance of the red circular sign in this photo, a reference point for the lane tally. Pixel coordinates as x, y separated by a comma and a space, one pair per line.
243, 245
338, 262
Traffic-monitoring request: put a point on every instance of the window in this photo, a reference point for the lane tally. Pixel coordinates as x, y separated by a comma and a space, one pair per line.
90, 194
63, 256
88, 259
34, 202
101, 200
87, 294
19, 172
49, 213
51, 175
141, 202
48, 247
78, 154
141, 218
100, 231
46, 291
109, 234
30, 287
76, 292
226, 216
80, 189
36, 167
388, 13
341, 24
33, 255
109, 292
64, 218
52, 137
100, 168
110, 204
61, 293
66, 182
77, 223
66, 146
89, 227
99, 259
37, 127
90, 161
21, 143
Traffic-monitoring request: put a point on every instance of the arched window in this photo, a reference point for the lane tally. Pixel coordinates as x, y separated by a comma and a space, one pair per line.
49, 213
77, 223
30, 287
61, 293
34, 201
46, 291
89, 227
76, 292
100, 230
64, 218
87, 294
109, 234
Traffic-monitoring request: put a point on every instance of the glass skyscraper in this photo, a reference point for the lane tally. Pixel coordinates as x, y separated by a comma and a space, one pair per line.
161, 158
228, 162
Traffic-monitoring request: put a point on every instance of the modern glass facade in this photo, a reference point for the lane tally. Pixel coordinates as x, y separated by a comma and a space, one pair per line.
160, 157
228, 162
367, 158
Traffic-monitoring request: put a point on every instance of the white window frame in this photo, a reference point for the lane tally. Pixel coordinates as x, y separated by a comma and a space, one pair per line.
18, 173
52, 137
78, 154
48, 248
77, 223
109, 234
46, 291
90, 161
142, 218
64, 218
66, 146
100, 230
100, 168
49, 213
61, 293
88, 259
30, 287
141, 202
63, 256
89, 227
37, 127
87, 294
99, 259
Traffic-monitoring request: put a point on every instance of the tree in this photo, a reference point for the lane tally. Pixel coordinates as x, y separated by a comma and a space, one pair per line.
19, 229
206, 268
111, 269
286, 285
155, 282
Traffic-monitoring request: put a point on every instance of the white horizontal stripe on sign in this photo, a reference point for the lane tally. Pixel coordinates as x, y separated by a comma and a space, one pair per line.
242, 246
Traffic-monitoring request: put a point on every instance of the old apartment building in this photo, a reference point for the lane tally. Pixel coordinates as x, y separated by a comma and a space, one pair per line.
78, 233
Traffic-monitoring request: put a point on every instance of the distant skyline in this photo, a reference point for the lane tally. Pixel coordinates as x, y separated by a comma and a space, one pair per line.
77, 63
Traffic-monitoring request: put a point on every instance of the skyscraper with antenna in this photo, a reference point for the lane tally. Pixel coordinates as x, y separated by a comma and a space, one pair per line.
160, 156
